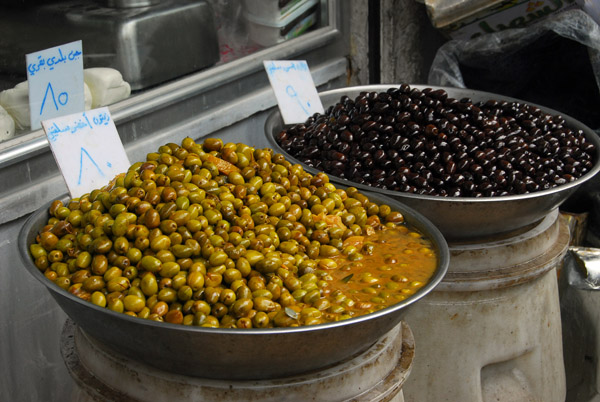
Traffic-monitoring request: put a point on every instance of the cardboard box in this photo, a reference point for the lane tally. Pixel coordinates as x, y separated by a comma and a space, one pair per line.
473, 18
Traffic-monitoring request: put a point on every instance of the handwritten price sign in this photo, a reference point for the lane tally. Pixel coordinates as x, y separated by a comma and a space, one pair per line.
55, 78
294, 89
87, 148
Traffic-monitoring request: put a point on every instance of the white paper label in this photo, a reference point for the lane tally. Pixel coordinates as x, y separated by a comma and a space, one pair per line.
294, 89
87, 148
55, 79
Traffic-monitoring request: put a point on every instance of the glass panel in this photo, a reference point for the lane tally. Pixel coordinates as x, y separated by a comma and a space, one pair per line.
137, 40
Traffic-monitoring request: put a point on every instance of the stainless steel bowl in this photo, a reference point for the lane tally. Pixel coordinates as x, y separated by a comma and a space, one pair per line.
460, 218
235, 354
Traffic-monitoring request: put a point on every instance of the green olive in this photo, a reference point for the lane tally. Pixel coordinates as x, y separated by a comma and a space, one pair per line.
243, 292
167, 295
328, 251
130, 272
165, 256
268, 265
42, 262
266, 305
179, 280
242, 307
134, 255
185, 293
98, 298
169, 269
180, 217
115, 305
195, 280
212, 295
227, 297
149, 284
161, 242
217, 258
231, 275
213, 279
213, 216
118, 284
253, 257
394, 217
48, 240
101, 245
94, 283
134, 303
37, 250
182, 203
260, 320
201, 306
55, 256
151, 263
292, 283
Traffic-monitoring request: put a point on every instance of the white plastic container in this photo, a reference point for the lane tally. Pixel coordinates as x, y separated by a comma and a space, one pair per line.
269, 25
375, 375
272, 10
491, 330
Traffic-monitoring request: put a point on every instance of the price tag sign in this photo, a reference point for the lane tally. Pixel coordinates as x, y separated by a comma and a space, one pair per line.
294, 89
55, 79
87, 148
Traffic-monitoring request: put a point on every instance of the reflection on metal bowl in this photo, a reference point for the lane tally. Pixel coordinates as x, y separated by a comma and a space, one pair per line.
460, 218
236, 354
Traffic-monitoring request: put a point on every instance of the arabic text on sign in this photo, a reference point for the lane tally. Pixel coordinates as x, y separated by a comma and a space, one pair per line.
54, 131
50, 62
293, 65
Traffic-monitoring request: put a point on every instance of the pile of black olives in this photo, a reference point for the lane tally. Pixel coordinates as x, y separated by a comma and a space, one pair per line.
425, 142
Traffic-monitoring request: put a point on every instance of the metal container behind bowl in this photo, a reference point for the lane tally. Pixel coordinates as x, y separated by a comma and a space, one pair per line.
460, 218
148, 41
235, 354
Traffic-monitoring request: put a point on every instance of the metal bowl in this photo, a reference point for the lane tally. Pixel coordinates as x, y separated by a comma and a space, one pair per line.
235, 354
460, 218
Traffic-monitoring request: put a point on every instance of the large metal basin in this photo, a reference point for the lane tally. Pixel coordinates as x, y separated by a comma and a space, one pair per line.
460, 218
235, 353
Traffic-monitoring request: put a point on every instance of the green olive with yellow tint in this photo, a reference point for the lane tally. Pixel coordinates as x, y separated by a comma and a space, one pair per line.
169, 269
151, 263
98, 298
112, 272
149, 284
134, 303
182, 250
94, 283
118, 284
116, 305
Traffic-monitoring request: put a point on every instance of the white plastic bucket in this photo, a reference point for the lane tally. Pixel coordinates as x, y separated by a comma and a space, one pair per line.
378, 374
492, 330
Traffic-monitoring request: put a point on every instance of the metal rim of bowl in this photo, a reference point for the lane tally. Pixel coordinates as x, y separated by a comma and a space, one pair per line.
28, 232
276, 116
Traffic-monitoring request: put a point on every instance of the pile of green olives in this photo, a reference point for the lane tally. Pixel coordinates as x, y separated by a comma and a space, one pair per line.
211, 234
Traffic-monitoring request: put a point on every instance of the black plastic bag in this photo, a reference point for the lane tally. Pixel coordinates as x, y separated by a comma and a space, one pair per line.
554, 63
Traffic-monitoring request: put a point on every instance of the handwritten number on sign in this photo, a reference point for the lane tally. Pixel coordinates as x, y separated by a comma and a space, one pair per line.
87, 154
294, 95
62, 98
